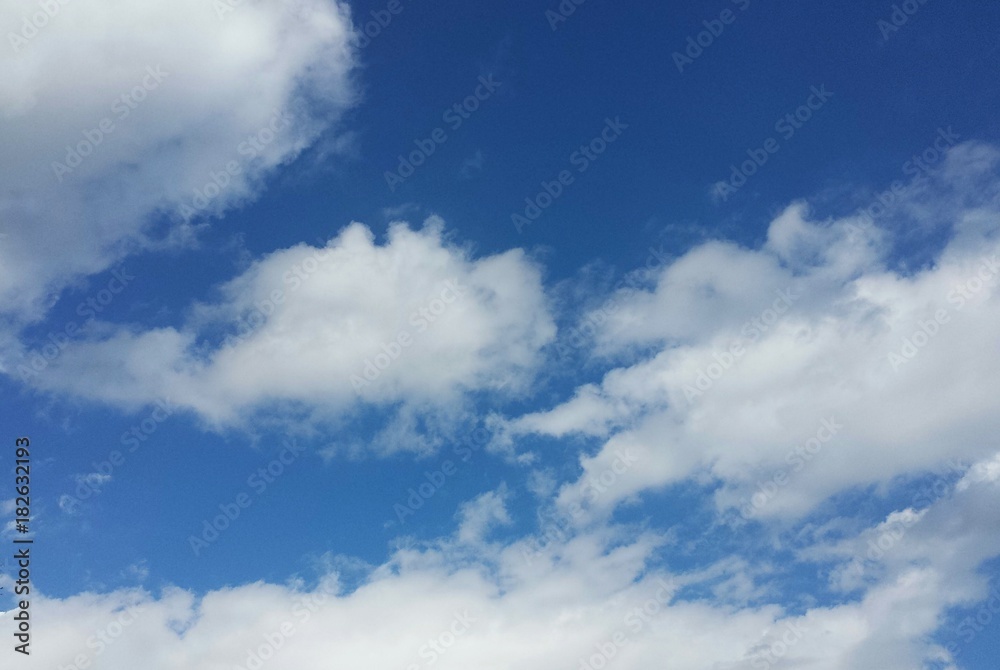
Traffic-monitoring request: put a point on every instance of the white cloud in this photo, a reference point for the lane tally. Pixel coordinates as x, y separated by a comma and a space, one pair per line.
480, 515
754, 349
196, 89
416, 321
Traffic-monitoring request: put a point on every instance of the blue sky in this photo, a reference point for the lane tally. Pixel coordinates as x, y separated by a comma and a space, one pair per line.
647, 312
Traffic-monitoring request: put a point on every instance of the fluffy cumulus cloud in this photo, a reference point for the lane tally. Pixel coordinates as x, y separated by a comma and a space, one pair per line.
589, 600
416, 320
819, 362
123, 124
